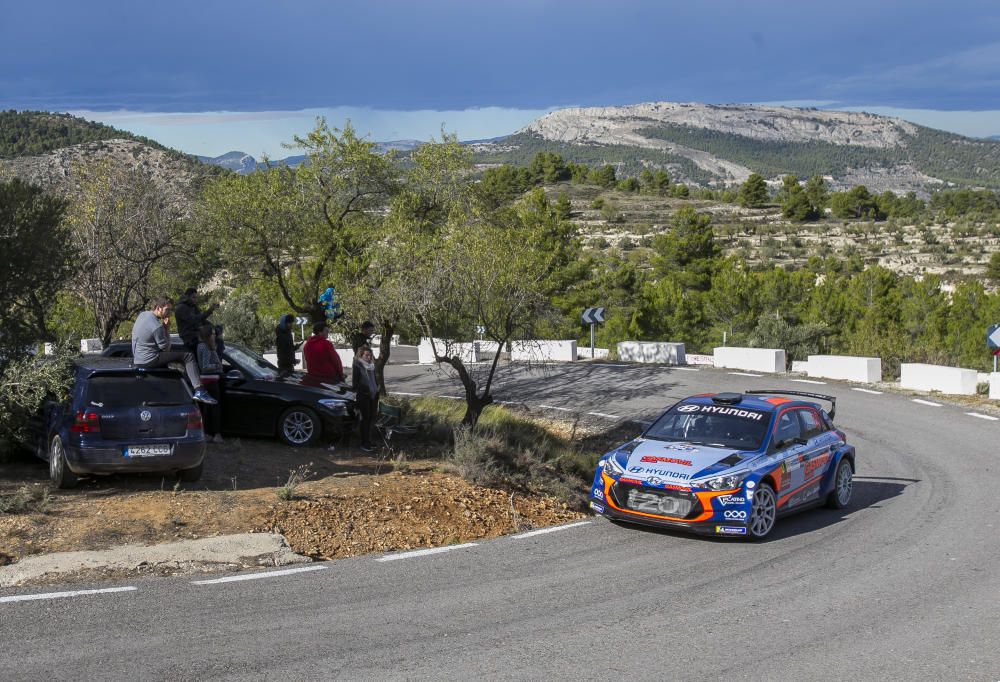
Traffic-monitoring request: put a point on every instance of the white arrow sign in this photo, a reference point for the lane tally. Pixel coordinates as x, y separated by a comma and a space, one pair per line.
593, 315
301, 321
993, 337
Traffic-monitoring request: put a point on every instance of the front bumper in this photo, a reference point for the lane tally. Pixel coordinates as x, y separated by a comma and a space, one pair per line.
699, 527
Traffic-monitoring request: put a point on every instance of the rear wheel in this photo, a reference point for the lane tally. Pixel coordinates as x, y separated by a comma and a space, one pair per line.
59, 471
843, 486
299, 426
763, 512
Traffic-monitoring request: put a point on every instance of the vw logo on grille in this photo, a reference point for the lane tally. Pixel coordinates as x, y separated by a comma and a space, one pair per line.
689, 408
145, 415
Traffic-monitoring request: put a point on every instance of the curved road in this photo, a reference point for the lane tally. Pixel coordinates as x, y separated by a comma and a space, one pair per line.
905, 584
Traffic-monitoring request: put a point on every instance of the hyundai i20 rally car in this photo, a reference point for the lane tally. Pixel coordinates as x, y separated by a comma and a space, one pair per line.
728, 464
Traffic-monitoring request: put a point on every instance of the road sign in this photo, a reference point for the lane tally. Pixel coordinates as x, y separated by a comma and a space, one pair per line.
993, 337
593, 315
480, 329
301, 321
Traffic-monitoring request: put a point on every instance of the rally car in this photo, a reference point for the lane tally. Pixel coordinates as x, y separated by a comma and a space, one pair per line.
728, 464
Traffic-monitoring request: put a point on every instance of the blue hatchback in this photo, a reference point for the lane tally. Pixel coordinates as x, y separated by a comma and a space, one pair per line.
120, 419
728, 464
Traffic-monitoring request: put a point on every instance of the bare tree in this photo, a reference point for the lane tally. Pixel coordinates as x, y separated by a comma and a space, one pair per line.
124, 225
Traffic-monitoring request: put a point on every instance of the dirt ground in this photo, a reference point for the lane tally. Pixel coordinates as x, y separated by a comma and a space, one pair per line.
350, 504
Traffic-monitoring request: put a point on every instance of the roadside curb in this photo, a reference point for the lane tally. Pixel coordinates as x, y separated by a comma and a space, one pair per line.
233, 551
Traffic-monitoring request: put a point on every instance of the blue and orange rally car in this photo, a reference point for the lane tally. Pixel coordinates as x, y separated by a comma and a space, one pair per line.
728, 464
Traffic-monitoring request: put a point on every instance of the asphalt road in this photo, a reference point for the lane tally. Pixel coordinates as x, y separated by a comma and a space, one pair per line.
905, 584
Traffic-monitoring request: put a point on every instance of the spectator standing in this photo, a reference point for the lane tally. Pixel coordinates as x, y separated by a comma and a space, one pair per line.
151, 346
210, 365
363, 337
364, 385
322, 361
190, 318
285, 344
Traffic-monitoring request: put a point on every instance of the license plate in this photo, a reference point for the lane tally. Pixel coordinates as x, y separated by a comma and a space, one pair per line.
147, 450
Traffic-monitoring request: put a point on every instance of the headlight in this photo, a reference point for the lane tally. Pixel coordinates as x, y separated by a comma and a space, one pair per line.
611, 468
334, 405
725, 482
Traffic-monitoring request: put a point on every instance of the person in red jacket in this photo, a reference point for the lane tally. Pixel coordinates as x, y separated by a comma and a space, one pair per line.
322, 362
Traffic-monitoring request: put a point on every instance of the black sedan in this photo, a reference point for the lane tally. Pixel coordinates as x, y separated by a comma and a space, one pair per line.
258, 401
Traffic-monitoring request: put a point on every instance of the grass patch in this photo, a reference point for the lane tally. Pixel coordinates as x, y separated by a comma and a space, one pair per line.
296, 477
25, 500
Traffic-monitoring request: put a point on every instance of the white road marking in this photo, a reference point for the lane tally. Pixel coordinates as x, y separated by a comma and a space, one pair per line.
606, 416
553, 407
745, 374
983, 416
686, 369
542, 531
809, 381
402, 393
61, 595
926, 402
424, 552
866, 390
258, 576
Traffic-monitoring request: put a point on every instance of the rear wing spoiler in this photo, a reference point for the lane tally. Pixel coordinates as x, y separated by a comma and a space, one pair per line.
819, 396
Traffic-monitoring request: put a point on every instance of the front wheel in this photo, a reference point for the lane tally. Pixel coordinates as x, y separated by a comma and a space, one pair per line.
843, 486
59, 471
763, 512
299, 426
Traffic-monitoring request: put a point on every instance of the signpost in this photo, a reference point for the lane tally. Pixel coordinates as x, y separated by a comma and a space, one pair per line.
593, 316
302, 321
993, 342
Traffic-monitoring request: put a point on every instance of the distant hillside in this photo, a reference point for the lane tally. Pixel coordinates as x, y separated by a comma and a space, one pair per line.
710, 144
31, 133
243, 163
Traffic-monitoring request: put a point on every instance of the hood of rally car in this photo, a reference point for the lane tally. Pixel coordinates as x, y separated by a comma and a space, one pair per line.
672, 463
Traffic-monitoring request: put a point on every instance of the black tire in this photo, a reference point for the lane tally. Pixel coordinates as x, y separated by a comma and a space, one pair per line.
190, 475
299, 426
843, 485
60, 474
763, 512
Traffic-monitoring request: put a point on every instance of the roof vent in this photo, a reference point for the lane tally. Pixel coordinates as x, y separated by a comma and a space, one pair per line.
727, 398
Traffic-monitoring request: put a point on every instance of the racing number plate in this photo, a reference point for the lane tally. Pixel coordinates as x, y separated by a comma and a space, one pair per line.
147, 450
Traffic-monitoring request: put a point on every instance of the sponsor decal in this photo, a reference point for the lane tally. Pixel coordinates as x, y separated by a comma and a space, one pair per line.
750, 485
651, 459
665, 473
814, 464
598, 493
720, 409
633, 481
599, 508
727, 500
749, 494
683, 447
736, 514
731, 530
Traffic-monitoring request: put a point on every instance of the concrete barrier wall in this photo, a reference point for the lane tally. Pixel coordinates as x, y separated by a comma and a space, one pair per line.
544, 351
845, 367
953, 380
469, 351
660, 352
699, 359
400, 355
769, 360
800, 366
995, 386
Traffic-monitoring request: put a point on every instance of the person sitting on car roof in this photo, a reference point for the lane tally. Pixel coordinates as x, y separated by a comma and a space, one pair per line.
151, 346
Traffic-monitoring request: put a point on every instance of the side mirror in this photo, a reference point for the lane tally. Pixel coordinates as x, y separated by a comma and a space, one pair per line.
235, 375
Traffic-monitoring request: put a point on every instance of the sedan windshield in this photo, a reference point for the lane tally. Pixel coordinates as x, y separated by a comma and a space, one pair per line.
722, 426
251, 363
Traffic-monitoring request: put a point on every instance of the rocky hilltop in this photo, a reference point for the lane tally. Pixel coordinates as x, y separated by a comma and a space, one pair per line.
710, 144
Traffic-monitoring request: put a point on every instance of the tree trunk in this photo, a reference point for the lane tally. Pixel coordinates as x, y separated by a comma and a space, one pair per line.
383, 356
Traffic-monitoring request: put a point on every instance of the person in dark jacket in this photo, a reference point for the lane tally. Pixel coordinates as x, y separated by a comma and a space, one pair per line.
285, 343
323, 364
363, 337
190, 318
364, 385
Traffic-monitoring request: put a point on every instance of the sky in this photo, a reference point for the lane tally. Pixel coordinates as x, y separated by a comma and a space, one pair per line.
210, 76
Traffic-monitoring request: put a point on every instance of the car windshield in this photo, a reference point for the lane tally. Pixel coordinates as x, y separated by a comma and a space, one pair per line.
131, 391
251, 363
723, 426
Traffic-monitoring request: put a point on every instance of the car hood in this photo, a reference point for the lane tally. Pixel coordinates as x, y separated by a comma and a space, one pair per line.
321, 388
658, 462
